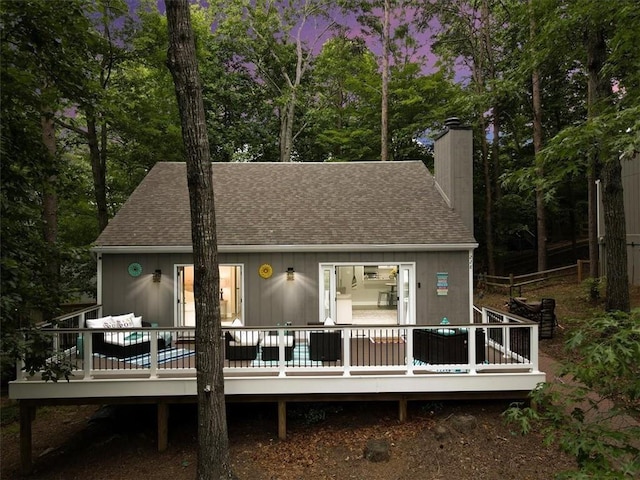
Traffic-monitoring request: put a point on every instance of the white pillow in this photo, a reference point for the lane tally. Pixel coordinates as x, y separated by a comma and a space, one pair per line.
137, 322
120, 318
121, 321
329, 321
97, 322
125, 323
237, 335
247, 338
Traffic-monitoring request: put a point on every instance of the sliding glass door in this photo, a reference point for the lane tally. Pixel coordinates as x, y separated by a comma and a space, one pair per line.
367, 293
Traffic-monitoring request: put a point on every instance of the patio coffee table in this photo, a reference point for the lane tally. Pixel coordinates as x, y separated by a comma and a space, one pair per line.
271, 347
378, 350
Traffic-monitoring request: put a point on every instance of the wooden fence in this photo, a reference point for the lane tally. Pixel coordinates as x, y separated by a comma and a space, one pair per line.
515, 282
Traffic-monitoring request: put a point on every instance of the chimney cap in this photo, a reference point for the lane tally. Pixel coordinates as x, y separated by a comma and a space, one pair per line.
452, 122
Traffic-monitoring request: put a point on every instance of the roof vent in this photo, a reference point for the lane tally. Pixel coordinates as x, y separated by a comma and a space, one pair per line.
452, 122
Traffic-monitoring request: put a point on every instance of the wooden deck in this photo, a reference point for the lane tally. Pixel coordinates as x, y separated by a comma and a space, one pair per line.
494, 357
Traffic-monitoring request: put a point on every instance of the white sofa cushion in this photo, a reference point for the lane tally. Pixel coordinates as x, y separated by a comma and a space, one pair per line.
98, 322
122, 321
128, 320
246, 338
124, 339
274, 341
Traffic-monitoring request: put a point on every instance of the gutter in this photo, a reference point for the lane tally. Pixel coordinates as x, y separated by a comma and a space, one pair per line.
435, 247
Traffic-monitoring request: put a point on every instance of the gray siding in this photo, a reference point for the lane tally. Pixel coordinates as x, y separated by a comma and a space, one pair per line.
631, 198
275, 300
631, 193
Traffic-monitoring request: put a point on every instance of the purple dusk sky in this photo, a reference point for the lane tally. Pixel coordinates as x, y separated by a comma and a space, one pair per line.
353, 30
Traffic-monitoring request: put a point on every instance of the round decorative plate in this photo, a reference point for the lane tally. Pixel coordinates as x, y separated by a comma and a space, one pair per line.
265, 270
134, 269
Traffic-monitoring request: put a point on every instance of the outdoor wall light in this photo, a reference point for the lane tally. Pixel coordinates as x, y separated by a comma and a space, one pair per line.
157, 276
290, 273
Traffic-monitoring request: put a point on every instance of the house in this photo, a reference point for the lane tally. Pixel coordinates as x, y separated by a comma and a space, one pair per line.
337, 280
342, 228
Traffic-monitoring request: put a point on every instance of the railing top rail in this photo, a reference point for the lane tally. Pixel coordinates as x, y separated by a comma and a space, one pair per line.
75, 313
302, 328
522, 320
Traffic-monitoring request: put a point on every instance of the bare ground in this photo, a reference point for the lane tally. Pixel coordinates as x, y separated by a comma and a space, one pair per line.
325, 441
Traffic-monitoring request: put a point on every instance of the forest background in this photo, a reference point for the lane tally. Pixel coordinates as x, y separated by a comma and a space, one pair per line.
550, 87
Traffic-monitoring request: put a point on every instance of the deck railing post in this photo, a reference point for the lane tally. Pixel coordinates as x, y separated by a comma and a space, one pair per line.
534, 347
409, 350
471, 344
153, 354
20, 368
346, 348
87, 353
506, 336
281, 352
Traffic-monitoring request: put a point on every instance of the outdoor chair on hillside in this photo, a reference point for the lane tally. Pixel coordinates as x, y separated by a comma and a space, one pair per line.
542, 312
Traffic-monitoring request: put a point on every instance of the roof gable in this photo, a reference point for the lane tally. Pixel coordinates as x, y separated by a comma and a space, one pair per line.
303, 204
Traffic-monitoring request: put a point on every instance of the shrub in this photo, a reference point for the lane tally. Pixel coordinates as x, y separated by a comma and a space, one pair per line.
594, 414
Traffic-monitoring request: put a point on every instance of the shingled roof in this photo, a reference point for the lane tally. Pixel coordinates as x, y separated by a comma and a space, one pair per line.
292, 204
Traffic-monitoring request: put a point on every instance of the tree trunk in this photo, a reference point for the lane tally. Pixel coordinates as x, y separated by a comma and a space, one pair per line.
50, 213
541, 216
286, 128
488, 202
592, 193
615, 238
596, 94
600, 93
482, 68
384, 124
213, 442
98, 158
496, 240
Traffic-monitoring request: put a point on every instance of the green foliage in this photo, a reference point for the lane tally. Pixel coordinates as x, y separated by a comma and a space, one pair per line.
594, 288
594, 416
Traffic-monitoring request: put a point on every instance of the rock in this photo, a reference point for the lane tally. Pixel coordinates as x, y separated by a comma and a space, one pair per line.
441, 433
47, 451
464, 423
377, 450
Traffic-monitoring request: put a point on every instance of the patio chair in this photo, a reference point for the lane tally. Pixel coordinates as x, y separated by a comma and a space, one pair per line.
241, 345
446, 345
271, 346
325, 346
542, 312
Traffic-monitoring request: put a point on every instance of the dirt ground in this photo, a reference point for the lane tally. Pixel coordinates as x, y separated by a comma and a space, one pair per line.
324, 441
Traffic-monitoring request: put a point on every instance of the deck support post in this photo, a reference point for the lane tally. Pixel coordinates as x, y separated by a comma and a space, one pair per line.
27, 414
163, 426
402, 409
282, 420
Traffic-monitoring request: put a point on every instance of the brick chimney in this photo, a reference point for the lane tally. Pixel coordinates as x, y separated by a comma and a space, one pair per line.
453, 169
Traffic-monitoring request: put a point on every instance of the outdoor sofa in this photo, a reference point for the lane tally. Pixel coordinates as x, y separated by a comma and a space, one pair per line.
124, 343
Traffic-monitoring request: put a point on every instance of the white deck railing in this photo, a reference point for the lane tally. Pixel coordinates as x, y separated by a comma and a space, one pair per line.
496, 342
